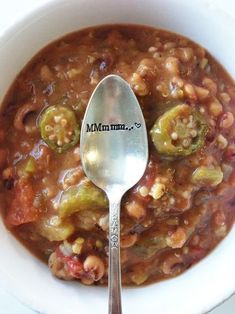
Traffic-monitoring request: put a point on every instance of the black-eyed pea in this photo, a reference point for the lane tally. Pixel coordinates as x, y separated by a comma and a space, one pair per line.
227, 120
136, 210
178, 81
152, 49
190, 91
46, 74
203, 63
94, 266
146, 67
128, 240
177, 239
138, 85
225, 98
21, 113
143, 191
169, 45
202, 93
74, 73
163, 89
58, 267
186, 54
104, 222
171, 264
210, 85
8, 173
139, 277
76, 153
157, 55
87, 281
215, 107
222, 142
172, 65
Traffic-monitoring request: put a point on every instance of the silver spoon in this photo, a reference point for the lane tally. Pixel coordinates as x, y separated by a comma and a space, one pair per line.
114, 154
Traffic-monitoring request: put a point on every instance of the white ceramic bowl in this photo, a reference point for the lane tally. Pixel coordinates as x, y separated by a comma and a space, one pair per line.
204, 285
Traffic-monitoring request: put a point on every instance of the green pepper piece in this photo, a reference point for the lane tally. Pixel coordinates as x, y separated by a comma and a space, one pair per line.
147, 247
180, 131
84, 196
30, 166
59, 128
207, 176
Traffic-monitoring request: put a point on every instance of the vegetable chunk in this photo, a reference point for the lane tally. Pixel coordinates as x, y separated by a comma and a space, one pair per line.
55, 230
22, 209
59, 128
179, 132
82, 197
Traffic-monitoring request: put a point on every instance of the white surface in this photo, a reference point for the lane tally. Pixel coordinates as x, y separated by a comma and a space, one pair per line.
8, 12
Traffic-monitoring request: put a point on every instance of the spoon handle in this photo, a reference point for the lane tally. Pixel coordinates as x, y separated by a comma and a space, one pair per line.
115, 304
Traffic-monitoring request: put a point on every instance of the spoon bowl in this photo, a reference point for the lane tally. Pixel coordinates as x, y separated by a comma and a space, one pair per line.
114, 154
113, 136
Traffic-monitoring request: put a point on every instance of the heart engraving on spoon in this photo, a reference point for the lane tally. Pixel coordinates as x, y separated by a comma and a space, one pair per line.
138, 125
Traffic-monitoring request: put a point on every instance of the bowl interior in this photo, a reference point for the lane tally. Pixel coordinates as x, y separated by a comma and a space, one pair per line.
193, 292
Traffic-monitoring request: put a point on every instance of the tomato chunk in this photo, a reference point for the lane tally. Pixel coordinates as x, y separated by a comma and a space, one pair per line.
21, 209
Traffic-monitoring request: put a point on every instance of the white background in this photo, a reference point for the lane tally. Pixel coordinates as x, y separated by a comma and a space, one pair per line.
10, 10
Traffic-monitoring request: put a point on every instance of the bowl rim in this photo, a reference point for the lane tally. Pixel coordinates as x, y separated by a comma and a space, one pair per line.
5, 34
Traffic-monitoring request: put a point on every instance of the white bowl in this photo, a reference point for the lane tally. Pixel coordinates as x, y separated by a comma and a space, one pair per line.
204, 285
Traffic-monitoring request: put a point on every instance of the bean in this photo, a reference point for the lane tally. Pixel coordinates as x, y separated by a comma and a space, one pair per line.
186, 54
74, 73
172, 65
76, 154
203, 63
178, 81
225, 98
138, 84
227, 120
222, 142
163, 89
152, 49
72, 177
87, 281
46, 74
171, 265
215, 107
8, 173
230, 153
58, 267
128, 240
177, 238
190, 91
210, 85
146, 67
169, 45
21, 114
202, 93
143, 191
104, 222
135, 210
94, 265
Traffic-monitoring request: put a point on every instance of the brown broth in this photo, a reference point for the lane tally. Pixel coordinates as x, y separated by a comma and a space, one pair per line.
161, 234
